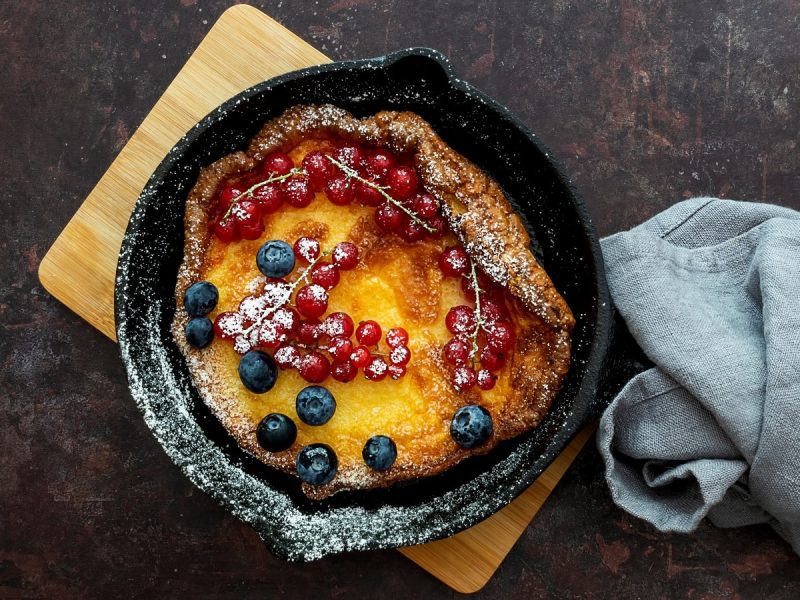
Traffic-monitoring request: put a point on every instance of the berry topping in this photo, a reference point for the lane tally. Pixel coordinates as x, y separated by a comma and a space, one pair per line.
340, 348
361, 357
247, 214
315, 405
402, 181
309, 331
397, 336
228, 325
270, 334
199, 332
338, 324
317, 464
312, 300
454, 261
438, 224
306, 248
269, 197
376, 369
424, 205
486, 379
456, 351
325, 274
277, 163
471, 426
349, 155
287, 357
400, 355
378, 164
491, 360
460, 319
368, 195
276, 432
258, 371
492, 310
379, 452
314, 367
463, 378
501, 337
345, 256
275, 258
343, 371
412, 231
287, 318
339, 190
484, 284
251, 308
396, 371
389, 218
200, 299
297, 192
227, 231
368, 333
227, 195
318, 169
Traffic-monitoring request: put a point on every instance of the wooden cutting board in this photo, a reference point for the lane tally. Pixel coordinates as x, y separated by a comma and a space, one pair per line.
244, 47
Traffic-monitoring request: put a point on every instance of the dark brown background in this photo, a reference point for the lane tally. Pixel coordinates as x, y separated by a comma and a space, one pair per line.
646, 103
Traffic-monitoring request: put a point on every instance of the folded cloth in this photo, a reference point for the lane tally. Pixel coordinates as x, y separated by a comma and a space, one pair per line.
710, 290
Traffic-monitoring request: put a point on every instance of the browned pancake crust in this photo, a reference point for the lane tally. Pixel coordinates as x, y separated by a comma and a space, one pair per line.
482, 219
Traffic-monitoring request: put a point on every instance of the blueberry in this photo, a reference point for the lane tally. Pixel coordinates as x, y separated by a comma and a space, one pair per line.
200, 299
199, 332
379, 452
471, 426
276, 432
258, 371
275, 258
316, 464
315, 405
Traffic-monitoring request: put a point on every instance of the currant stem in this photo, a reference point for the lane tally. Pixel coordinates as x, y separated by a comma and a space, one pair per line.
249, 191
478, 316
352, 174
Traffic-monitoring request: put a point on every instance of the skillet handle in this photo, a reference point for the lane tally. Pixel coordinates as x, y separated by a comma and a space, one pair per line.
624, 361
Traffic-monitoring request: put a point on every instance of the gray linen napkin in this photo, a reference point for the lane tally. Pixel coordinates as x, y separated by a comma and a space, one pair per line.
710, 289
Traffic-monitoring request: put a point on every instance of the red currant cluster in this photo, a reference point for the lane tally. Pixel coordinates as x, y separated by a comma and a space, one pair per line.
346, 173
481, 334
300, 340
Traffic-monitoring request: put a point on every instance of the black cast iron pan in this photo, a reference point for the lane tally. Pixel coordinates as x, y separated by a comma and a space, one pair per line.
292, 526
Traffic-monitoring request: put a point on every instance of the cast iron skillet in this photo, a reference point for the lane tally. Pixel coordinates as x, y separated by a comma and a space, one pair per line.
292, 526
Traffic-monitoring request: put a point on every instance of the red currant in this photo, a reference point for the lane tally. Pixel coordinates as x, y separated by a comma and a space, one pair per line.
312, 300
389, 217
271, 334
340, 348
396, 371
491, 360
309, 331
277, 163
349, 155
438, 224
454, 261
412, 231
287, 357
345, 256
360, 357
456, 351
486, 380
402, 181
314, 367
227, 195
492, 310
501, 337
460, 319
400, 355
368, 333
287, 318
247, 214
227, 231
252, 232
463, 378
297, 192
397, 336
325, 274
338, 324
376, 369
306, 248
339, 190
269, 197
367, 195
343, 371
484, 283
251, 308
228, 325
318, 169
378, 163
424, 205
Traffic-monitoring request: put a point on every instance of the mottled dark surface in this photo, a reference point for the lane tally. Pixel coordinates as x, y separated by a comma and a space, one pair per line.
646, 103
